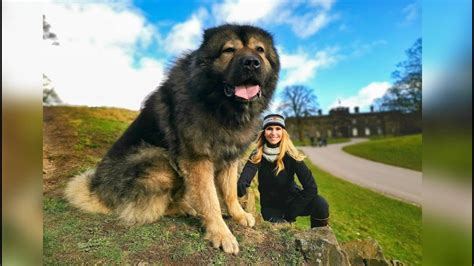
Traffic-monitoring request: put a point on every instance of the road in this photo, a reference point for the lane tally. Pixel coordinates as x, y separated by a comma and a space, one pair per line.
396, 182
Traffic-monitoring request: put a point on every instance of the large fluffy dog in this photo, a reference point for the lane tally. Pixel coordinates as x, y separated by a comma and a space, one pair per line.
184, 146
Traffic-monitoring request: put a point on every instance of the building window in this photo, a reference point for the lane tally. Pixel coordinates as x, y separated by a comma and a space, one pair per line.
318, 134
379, 131
367, 131
354, 132
329, 133
354, 121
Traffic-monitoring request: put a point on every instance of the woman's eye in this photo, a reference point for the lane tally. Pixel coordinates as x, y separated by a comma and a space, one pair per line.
260, 49
228, 50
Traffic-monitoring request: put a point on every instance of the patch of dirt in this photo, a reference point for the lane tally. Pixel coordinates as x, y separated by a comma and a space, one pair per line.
48, 166
57, 151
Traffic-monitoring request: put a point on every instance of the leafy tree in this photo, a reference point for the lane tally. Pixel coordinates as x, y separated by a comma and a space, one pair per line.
405, 94
47, 34
298, 102
50, 97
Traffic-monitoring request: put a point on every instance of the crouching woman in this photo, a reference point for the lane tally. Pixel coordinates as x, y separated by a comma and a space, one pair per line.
277, 161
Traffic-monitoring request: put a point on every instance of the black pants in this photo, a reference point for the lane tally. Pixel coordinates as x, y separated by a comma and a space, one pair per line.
317, 208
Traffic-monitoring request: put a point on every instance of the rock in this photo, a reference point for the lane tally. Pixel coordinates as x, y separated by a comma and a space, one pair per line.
320, 247
366, 253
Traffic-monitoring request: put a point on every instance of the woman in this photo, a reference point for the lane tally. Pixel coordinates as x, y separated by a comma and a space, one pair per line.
277, 161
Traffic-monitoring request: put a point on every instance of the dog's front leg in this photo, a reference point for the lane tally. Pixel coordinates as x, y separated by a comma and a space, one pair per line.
201, 194
227, 183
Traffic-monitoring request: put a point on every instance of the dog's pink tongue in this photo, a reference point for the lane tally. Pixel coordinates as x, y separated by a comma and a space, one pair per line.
247, 92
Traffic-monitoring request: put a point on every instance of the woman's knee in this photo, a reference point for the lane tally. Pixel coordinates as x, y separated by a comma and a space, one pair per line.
320, 207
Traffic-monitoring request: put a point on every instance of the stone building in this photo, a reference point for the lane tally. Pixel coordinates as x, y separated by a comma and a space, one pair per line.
341, 123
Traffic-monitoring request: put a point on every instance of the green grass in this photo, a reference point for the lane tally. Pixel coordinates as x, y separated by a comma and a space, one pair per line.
449, 153
337, 140
379, 137
95, 132
446, 242
359, 213
74, 237
403, 151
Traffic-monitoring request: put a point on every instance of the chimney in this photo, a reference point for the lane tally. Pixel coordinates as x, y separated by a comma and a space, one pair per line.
371, 108
320, 112
356, 109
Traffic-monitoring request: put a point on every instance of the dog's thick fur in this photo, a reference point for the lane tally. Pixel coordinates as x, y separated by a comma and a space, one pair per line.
184, 146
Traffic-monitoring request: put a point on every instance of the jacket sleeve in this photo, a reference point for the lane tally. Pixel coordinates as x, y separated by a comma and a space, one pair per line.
309, 192
246, 177
310, 189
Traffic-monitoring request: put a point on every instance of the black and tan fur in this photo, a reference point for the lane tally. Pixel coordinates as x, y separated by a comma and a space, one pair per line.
184, 146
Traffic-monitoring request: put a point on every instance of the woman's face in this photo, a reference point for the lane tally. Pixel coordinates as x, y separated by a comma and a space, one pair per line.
273, 134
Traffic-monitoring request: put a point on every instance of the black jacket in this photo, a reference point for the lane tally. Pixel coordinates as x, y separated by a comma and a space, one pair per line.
278, 191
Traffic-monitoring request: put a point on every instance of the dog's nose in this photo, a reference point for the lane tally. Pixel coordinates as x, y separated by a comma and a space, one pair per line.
251, 62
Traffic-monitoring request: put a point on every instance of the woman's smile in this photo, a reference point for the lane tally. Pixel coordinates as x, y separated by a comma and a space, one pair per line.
273, 134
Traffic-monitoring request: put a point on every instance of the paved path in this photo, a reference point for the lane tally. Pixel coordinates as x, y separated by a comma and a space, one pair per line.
393, 181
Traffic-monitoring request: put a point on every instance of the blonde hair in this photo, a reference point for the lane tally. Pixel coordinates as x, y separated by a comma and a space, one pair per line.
286, 146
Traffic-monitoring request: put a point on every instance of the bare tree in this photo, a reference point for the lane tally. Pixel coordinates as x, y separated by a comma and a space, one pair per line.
298, 102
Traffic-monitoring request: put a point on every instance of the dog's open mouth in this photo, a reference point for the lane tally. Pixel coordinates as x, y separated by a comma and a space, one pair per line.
245, 92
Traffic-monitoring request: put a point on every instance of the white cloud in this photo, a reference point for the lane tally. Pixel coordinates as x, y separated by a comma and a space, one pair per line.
326, 4
309, 24
187, 35
273, 106
21, 35
94, 63
244, 11
317, 14
411, 13
301, 67
365, 96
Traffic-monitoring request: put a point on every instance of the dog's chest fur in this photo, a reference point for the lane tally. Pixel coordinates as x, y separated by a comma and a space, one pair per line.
220, 143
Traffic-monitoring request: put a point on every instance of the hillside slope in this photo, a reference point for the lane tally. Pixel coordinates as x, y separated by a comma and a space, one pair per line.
405, 151
76, 138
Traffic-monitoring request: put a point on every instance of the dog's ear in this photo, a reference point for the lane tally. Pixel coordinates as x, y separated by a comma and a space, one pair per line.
209, 33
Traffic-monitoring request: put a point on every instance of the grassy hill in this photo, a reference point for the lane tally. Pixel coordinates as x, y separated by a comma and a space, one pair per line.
403, 151
76, 138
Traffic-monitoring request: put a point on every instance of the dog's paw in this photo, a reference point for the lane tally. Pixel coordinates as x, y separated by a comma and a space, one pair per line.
246, 219
225, 240
187, 209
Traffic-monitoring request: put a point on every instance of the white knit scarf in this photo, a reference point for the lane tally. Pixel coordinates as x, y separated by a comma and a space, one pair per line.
270, 154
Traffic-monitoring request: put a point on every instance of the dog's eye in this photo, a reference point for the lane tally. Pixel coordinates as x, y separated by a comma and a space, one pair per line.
260, 49
229, 50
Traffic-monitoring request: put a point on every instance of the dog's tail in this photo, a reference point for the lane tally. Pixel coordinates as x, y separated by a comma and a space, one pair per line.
78, 193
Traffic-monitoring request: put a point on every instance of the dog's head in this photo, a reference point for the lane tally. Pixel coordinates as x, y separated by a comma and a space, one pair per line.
242, 63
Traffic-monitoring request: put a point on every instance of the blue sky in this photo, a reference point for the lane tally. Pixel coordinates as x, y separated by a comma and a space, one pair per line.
114, 54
